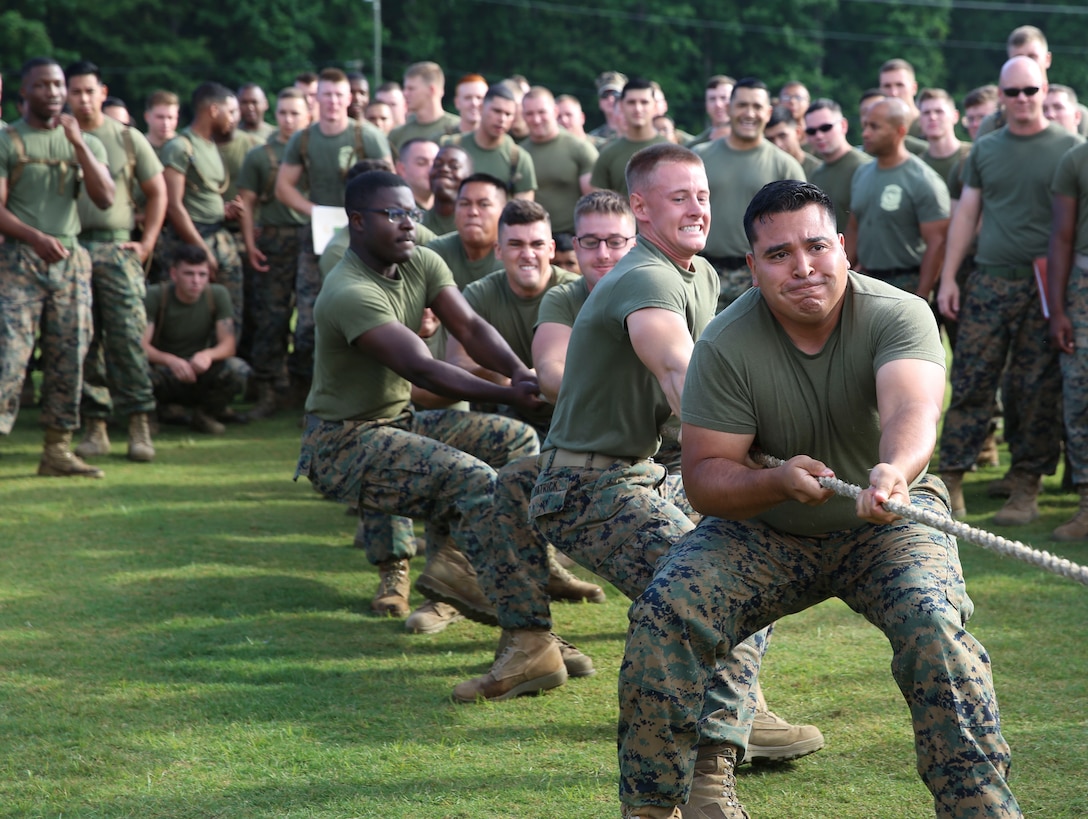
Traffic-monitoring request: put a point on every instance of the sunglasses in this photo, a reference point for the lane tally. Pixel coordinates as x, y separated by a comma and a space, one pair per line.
820, 129
1029, 91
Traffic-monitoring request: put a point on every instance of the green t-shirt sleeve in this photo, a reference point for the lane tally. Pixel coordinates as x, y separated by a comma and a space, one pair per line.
585, 156
1066, 178
94, 144
971, 177
476, 296
906, 330
176, 153
147, 163
221, 298
292, 154
438, 273
650, 286
557, 307
715, 395
152, 298
936, 204
375, 143
599, 177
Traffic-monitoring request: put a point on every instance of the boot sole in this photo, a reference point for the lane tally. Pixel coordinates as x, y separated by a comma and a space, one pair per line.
434, 589
782, 753
50, 472
527, 688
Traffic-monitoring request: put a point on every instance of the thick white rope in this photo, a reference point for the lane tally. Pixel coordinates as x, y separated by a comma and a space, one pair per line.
943, 523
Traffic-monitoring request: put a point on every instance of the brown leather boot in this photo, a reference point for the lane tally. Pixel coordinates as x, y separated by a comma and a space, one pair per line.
1076, 528
531, 663
1021, 508
563, 585
393, 587
448, 577
714, 785
96, 439
58, 460
140, 448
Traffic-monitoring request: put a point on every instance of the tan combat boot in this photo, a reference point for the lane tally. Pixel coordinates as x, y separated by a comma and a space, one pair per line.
58, 460
954, 482
96, 439
563, 585
431, 618
775, 740
1076, 528
448, 577
651, 812
202, 421
393, 588
266, 405
1021, 507
714, 785
140, 448
988, 455
531, 663
576, 663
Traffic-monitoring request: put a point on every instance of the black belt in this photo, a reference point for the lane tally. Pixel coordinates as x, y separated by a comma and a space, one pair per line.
727, 262
892, 272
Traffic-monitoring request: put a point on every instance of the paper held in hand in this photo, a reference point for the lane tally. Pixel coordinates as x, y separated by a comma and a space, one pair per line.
324, 221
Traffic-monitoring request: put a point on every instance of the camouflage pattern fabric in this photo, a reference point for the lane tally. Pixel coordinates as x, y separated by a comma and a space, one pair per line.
115, 375
1075, 377
307, 286
213, 391
437, 465
53, 300
619, 522
1001, 319
387, 537
273, 301
727, 579
733, 284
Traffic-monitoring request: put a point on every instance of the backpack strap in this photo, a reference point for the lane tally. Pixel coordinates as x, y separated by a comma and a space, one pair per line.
22, 160
204, 184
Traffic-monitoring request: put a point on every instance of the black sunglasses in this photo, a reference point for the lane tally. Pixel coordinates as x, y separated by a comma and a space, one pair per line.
1029, 91
820, 129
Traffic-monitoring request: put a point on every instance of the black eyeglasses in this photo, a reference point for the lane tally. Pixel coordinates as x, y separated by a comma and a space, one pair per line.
615, 241
398, 214
820, 129
612, 95
1029, 91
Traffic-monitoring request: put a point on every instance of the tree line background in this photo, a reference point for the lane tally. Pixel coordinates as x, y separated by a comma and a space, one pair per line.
833, 46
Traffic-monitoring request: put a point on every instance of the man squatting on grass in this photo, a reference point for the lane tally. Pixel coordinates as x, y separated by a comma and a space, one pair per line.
824, 367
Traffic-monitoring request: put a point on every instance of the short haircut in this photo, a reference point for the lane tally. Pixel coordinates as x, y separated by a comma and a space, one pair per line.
377, 163
824, 104
719, 80
361, 189
514, 86
750, 82
500, 91
246, 86
896, 111
980, 96
486, 179
162, 97
641, 166
188, 254
784, 196
471, 78
1070, 94
781, 114
389, 85
36, 62
82, 68
111, 101
564, 242
936, 94
523, 212
374, 104
356, 75
306, 77
897, 64
568, 98
291, 93
210, 93
429, 72
608, 203
792, 84
1022, 35
332, 75
869, 93
539, 91
407, 146
636, 84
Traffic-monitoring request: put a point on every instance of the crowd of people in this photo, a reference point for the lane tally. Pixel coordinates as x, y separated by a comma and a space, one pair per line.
764, 283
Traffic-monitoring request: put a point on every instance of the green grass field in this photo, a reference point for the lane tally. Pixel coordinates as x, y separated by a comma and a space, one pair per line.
192, 638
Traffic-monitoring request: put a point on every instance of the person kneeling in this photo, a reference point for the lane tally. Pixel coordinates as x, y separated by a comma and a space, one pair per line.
190, 341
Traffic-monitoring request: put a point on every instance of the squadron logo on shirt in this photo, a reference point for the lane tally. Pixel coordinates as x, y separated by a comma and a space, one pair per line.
346, 157
891, 197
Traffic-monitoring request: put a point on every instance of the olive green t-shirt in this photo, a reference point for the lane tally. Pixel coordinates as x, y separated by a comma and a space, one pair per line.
413, 129
746, 377
611, 402
835, 178
890, 204
205, 174
440, 225
330, 158
348, 383
809, 163
559, 163
735, 177
45, 195
611, 164
127, 174
1071, 179
234, 153
561, 304
186, 329
499, 162
1014, 174
465, 272
946, 164
262, 133
258, 175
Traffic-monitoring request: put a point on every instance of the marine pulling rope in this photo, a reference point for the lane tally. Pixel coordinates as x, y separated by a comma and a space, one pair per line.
943, 523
